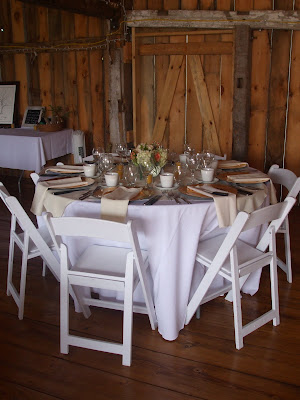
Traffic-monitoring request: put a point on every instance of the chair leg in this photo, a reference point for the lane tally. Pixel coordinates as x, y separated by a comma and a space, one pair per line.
198, 313
237, 307
64, 314
128, 317
23, 279
10, 265
44, 268
274, 291
288, 257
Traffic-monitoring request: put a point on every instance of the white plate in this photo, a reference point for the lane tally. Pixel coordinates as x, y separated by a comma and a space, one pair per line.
158, 185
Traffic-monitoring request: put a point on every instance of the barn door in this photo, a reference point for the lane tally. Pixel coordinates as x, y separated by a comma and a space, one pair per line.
183, 88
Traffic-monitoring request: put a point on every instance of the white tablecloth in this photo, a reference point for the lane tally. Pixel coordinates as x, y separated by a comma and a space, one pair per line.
27, 149
170, 233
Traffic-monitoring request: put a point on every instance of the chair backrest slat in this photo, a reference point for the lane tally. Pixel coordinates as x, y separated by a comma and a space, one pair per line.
282, 176
90, 227
283, 210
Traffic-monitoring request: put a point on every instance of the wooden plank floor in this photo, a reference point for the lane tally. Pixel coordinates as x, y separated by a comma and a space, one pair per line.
201, 364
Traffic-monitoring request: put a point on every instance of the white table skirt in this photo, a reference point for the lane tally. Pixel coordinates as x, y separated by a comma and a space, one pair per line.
27, 149
170, 233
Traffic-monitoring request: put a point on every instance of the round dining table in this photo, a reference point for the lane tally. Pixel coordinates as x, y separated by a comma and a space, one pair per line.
170, 232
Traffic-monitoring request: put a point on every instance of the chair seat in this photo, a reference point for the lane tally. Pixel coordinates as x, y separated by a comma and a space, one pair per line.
207, 250
105, 260
32, 249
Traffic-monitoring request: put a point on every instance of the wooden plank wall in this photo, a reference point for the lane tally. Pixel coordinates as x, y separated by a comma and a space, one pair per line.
77, 80
275, 89
72, 79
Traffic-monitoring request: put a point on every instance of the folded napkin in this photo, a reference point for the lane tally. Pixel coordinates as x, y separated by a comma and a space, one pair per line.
253, 177
66, 169
42, 187
225, 205
115, 204
232, 164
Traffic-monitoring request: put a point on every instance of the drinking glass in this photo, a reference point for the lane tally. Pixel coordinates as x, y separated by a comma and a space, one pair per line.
146, 168
130, 175
207, 158
96, 152
121, 150
106, 162
192, 165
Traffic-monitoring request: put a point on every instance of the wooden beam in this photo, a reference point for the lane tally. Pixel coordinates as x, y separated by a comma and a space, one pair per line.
241, 93
186, 48
94, 8
278, 19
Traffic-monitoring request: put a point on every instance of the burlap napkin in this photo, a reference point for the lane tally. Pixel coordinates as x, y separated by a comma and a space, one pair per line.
225, 205
114, 205
37, 206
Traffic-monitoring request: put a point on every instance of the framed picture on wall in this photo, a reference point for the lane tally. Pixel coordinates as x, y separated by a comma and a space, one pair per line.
9, 99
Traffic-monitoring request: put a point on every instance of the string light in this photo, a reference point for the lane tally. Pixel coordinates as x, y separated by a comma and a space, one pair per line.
76, 46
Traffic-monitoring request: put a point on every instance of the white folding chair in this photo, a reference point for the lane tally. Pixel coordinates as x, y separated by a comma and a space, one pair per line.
31, 241
289, 180
233, 259
102, 267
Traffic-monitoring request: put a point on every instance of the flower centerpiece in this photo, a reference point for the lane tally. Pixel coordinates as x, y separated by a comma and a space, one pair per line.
149, 156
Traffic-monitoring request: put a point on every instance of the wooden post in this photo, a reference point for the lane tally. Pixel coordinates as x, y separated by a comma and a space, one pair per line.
241, 93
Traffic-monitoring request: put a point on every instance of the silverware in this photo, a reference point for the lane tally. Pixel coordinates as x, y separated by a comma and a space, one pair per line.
69, 191
152, 200
185, 200
215, 193
85, 195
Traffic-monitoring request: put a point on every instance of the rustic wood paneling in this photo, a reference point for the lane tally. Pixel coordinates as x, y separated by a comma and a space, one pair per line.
83, 82
281, 43
97, 92
139, 4
194, 124
225, 5
6, 60
177, 110
171, 4
261, 58
292, 149
241, 95
189, 4
20, 59
260, 78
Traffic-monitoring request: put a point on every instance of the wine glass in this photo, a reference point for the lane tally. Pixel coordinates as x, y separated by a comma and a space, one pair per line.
192, 162
187, 149
121, 150
106, 162
146, 169
130, 175
96, 152
207, 158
